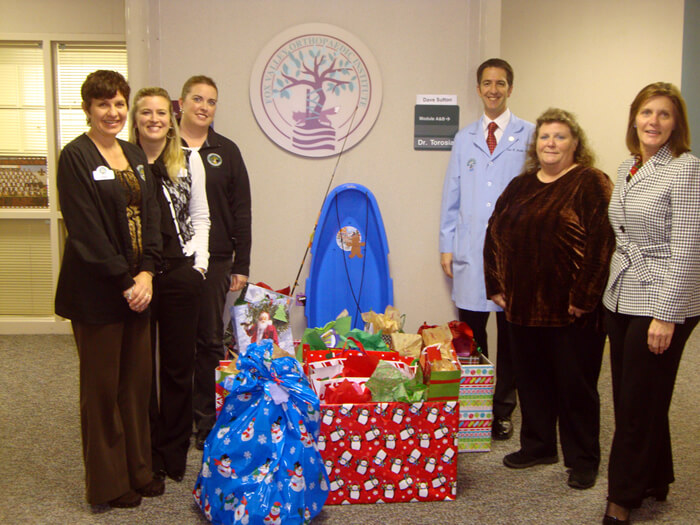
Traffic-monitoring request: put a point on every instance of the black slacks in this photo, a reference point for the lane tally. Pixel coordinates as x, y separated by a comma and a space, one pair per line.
115, 382
556, 370
210, 341
177, 295
504, 397
640, 457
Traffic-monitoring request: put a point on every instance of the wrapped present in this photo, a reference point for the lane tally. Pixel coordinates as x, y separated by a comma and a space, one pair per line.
406, 344
332, 335
386, 324
225, 369
476, 389
260, 462
262, 313
435, 334
390, 452
441, 371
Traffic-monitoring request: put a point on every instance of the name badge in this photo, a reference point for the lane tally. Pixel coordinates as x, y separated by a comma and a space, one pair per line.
103, 173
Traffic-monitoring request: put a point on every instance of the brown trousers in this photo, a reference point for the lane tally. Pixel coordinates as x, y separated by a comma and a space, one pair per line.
115, 385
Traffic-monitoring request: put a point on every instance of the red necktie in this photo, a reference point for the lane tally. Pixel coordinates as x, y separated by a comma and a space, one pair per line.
491, 137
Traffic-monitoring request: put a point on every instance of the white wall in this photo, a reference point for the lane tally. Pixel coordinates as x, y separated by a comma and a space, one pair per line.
421, 47
65, 16
591, 58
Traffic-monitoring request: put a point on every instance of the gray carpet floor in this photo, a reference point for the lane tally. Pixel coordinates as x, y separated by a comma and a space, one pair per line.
41, 471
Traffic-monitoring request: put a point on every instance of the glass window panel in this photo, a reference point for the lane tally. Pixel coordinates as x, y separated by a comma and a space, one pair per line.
22, 109
25, 279
10, 136
34, 131
9, 84
74, 63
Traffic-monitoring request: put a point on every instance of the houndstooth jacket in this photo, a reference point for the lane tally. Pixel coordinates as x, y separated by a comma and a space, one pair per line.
655, 270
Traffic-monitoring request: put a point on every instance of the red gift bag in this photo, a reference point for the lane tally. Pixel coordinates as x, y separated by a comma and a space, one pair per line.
356, 359
463, 339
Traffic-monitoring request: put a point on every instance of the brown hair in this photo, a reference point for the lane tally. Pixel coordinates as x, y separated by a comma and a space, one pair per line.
499, 63
583, 154
174, 158
679, 141
197, 79
103, 84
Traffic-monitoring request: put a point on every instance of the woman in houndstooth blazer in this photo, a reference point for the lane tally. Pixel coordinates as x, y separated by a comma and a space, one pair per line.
652, 298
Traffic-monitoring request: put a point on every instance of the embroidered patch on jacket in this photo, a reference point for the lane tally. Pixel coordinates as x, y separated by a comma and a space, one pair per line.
142, 172
214, 159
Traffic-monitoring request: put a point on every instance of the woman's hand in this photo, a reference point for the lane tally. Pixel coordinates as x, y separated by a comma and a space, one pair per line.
238, 282
577, 312
140, 294
659, 336
499, 299
446, 263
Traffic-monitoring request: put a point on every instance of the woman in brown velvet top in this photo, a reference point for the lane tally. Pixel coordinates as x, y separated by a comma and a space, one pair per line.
546, 257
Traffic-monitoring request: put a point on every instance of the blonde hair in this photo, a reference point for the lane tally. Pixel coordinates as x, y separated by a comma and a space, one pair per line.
173, 156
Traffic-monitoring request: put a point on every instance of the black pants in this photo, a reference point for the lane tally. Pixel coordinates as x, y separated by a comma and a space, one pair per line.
210, 344
556, 369
504, 397
640, 457
177, 295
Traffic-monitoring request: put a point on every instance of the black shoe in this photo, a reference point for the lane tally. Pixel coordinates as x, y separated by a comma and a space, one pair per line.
612, 520
502, 429
658, 493
201, 438
153, 488
582, 478
177, 475
126, 501
520, 459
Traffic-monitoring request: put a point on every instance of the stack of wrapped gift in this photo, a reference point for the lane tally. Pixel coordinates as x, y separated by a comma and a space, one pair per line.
383, 438
476, 405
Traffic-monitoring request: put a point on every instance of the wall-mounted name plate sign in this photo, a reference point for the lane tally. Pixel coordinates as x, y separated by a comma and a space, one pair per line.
436, 122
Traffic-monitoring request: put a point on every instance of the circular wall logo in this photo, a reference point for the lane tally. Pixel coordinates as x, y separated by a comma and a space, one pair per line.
315, 89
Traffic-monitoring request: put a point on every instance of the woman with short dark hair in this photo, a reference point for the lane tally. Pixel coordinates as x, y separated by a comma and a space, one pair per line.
107, 198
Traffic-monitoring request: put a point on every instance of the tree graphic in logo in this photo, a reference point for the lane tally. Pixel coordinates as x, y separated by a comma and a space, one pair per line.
322, 73
311, 92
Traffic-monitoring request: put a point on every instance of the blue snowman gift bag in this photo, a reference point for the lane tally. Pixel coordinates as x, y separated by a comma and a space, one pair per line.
260, 462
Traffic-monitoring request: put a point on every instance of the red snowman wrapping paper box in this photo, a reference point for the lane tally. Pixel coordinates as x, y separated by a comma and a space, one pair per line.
390, 452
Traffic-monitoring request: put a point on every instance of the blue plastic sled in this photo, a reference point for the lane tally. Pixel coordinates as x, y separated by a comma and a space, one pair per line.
349, 259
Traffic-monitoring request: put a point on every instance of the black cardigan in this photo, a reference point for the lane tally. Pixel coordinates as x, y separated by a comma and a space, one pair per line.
228, 193
95, 267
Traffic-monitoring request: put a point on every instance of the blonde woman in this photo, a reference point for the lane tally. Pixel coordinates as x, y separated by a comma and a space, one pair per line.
179, 283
